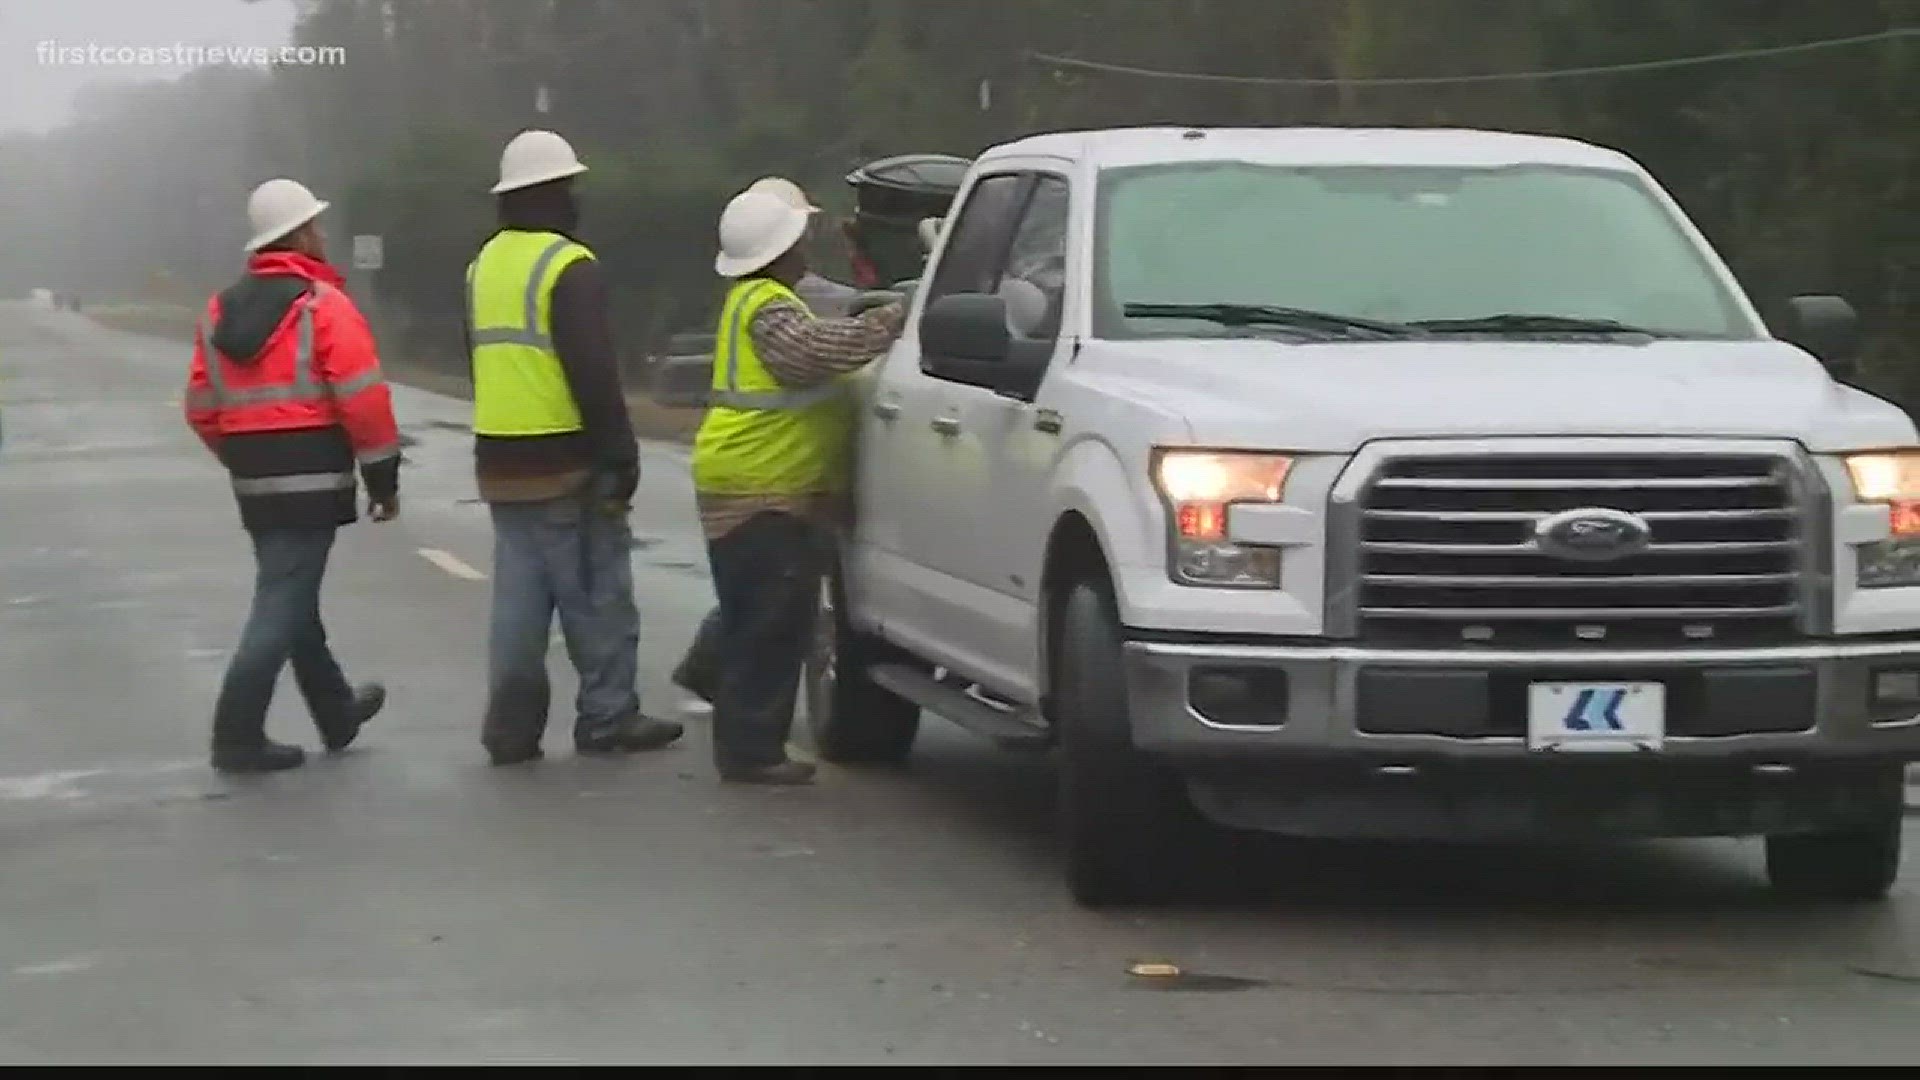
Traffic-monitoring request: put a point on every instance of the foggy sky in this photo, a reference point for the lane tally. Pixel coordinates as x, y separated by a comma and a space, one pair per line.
37, 96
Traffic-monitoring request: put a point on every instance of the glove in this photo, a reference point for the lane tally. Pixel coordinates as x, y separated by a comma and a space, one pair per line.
872, 300
617, 483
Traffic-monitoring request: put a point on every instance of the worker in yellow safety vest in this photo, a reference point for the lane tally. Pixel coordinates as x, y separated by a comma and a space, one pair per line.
770, 470
698, 672
557, 464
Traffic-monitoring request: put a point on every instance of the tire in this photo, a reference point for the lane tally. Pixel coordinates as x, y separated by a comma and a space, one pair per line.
854, 720
1858, 864
1122, 819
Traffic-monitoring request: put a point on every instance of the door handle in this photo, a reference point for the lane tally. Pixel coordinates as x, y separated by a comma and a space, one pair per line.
947, 425
886, 410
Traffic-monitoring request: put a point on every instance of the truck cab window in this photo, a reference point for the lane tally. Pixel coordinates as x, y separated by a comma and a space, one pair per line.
974, 254
1034, 284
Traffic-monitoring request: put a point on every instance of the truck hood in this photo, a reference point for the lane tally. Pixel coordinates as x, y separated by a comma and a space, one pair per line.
1334, 398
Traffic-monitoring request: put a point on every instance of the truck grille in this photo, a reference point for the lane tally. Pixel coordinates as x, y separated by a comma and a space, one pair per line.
1449, 555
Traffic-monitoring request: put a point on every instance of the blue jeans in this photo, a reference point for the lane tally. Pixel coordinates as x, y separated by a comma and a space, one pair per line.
561, 556
767, 573
283, 626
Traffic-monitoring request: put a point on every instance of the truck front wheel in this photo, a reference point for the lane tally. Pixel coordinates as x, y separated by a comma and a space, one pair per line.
854, 720
1857, 864
1122, 818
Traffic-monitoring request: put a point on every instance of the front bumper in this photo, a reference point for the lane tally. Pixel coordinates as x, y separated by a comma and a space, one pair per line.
1432, 744
1400, 706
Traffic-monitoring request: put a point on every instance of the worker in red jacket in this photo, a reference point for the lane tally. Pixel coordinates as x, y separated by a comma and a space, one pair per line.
286, 390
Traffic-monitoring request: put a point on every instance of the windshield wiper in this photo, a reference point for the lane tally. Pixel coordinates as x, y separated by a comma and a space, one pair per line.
1523, 323
1270, 315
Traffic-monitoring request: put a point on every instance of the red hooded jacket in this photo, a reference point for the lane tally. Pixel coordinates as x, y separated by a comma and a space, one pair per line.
286, 388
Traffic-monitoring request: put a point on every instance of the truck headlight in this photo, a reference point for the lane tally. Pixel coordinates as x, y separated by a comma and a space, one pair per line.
1891, 478
1198, 486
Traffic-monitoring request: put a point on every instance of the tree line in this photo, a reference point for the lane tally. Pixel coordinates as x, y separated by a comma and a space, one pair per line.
1803, 168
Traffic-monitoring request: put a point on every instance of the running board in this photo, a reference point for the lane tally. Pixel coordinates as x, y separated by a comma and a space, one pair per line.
1012, 730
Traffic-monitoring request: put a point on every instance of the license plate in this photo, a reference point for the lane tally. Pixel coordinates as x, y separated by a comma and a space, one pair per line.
1596, 716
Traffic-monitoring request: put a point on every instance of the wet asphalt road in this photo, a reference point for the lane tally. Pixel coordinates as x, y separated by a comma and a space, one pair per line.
405, 903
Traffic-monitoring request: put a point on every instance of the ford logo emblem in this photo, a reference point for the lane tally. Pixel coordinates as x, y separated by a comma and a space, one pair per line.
1593, 534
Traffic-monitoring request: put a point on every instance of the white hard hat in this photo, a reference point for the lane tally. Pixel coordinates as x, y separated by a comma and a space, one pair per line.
755, 229
787, 191
278, 207
536, 157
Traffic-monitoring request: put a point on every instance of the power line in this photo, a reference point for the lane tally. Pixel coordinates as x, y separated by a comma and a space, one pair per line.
1493, 77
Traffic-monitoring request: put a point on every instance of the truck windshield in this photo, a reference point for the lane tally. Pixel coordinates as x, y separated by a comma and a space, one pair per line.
1498, 252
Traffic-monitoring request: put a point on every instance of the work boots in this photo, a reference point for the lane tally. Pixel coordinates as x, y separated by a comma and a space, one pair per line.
785, 774
645, 733
514, 755
698, 672
368, 700
268, 757
696, 680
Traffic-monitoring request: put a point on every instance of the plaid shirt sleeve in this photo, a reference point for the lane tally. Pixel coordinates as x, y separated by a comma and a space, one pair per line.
801, 351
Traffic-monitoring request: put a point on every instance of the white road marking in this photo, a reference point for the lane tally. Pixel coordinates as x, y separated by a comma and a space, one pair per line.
66, 786
70, 966
53, 785
451, 564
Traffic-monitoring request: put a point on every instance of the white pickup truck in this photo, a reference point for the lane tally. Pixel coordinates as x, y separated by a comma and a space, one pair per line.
1379, 483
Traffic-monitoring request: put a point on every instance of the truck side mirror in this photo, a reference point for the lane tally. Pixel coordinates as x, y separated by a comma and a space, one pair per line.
966, 327
1827, 327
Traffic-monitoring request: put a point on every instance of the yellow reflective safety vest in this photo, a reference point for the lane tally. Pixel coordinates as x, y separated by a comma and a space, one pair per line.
760, 438
519, 388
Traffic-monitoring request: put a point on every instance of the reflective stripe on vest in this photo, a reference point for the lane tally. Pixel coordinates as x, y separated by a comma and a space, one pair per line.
726, 390
218, 396
296, 484
783, 442
520, 388
305, 387
529, 332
